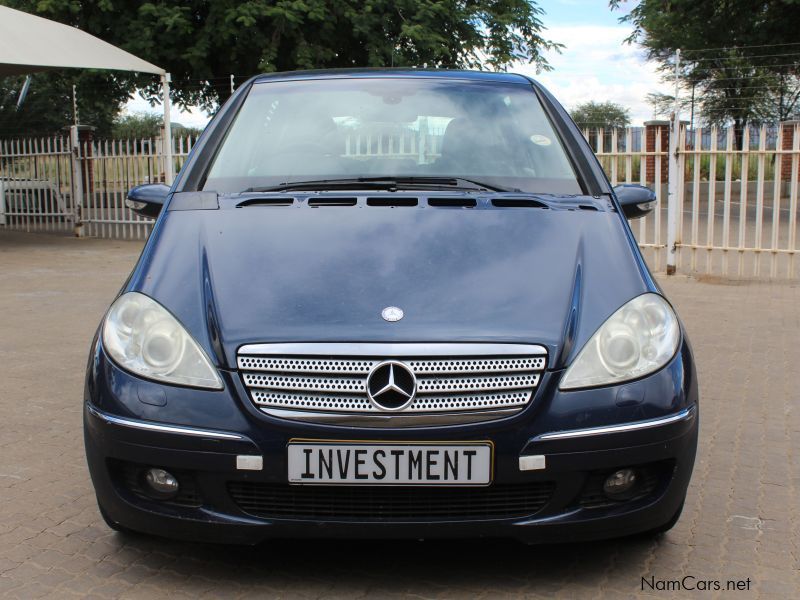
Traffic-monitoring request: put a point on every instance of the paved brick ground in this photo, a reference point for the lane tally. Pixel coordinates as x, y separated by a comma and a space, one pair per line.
742, 517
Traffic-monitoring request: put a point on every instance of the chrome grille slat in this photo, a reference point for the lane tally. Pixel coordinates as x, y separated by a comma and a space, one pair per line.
425, 385
363, 367
457, 387
309, 383
312, 401
424, 367
469, 402
361, 404
441, 385
305, 365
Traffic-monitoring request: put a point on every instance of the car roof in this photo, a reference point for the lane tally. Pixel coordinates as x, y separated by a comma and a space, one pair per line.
486, 76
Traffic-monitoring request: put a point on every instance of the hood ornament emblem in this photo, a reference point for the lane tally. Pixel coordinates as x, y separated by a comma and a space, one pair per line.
392, 314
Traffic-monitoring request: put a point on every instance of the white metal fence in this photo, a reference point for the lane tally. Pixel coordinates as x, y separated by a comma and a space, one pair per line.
423, 145
735, 205
36, 184
111, 168
41, 178
623, 164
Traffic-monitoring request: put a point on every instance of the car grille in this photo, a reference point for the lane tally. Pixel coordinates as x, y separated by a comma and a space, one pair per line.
335, 385
387, 504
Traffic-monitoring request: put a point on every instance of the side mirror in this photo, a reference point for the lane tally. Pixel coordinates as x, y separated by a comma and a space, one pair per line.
147, 200
636, 200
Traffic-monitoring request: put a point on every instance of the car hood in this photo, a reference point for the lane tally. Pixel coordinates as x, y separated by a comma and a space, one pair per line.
288, 274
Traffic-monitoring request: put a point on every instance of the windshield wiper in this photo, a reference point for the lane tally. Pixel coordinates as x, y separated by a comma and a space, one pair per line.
388, 183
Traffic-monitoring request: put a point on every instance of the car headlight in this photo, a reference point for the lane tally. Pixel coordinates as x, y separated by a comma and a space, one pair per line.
638, 339
144, 338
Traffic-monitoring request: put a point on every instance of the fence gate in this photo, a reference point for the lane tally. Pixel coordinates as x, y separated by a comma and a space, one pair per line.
36, 184
77, 184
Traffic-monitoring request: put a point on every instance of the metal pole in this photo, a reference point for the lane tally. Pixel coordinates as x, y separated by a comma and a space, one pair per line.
77, 183
169, 164
24, 92
673, 183
74, 106
2, 204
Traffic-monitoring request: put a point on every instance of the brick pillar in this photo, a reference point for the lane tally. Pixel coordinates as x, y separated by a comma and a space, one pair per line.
788, 143
650, 129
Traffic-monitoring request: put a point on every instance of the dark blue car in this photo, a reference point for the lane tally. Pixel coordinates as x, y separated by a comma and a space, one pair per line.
398, 303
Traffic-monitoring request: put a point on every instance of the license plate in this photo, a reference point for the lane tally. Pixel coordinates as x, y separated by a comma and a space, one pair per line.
374, 463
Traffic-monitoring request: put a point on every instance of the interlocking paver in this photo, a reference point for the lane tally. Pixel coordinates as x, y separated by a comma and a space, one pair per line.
742, 516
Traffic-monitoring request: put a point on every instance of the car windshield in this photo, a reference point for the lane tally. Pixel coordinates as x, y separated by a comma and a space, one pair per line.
494, 133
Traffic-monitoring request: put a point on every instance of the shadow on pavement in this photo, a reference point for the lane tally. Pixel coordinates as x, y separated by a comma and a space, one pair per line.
406, 566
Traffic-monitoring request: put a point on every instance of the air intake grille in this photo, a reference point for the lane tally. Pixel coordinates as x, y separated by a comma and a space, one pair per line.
387, 504
338, 384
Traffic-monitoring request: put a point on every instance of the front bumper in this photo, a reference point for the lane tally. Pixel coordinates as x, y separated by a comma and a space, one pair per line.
200, 434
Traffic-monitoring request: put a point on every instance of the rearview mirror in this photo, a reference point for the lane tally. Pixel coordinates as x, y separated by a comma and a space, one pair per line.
147, 200
636, 200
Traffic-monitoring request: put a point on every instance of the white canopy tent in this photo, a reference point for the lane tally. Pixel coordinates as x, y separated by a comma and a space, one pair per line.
29, 43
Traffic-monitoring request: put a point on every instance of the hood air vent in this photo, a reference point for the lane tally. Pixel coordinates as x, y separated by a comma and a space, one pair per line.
332, 201
393, 202
452, 202
267, 201
423, 200
518, 203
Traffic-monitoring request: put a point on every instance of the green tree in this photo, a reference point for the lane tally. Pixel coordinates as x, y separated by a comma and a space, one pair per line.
741, 57
201, 42
137, 126
605, 115
664, 104
147, 125
47, 107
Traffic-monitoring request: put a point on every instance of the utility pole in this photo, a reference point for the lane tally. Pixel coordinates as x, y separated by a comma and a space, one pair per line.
77, 169
169, 164
673, 175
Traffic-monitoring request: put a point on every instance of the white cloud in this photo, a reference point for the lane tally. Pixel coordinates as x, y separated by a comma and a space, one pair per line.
598, 65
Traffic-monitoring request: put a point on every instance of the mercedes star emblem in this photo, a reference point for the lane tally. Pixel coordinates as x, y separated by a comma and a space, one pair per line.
392, 314
391, 386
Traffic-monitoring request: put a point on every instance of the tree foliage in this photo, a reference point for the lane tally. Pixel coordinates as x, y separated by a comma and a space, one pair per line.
144, 125
202, 42
605, 115
664, 104
740, 57
47, 108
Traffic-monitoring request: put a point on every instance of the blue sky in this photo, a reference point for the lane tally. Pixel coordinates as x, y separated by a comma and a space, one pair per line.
596, 64
572, 12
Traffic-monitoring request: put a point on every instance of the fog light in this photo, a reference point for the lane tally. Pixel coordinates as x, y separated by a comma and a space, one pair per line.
162, 483
620, 483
